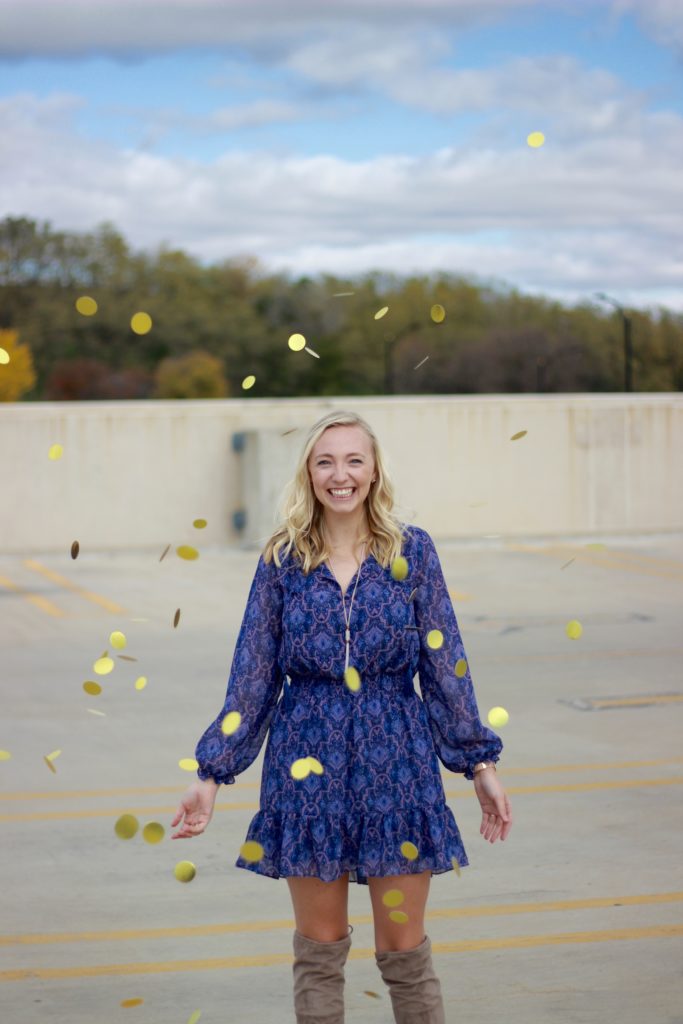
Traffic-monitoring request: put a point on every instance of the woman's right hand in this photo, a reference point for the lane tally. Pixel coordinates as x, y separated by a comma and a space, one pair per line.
196, 807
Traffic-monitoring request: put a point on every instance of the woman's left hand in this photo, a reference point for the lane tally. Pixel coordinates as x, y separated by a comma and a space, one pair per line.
496, 816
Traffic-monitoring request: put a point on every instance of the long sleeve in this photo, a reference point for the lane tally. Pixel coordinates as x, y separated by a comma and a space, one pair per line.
460, 737
253, 686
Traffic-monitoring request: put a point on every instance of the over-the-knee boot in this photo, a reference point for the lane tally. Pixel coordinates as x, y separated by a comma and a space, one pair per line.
319, 979
414, 988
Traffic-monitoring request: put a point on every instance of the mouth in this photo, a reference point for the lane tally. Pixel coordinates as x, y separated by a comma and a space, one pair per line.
342, 494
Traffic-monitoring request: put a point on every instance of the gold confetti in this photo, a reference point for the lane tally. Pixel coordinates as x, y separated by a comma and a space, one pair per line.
596, 546
94, 712
421, 363
456, 866
126, 657
199, 524
393, 898
497, 716
153, 832
435, 639
187, 552
381, 312
194, 1017
315, 765
141, 323
312, 353
251, 851
296, 342
75, 548
231, 723
188, 764
574, 629
399, 568
341, 295
56, 451
165, 552
118, 640
92, 688
50, 765
300, 768
352, 679
5, 755
535, 139
176, 618
373, 995
4, 357
86, 305
185, 871
437, 313
520, 433
461, 667
248, 382
104, 665
141, 682
567, 563
398, 916
54, 754
131, 1002
126, 826
409, 851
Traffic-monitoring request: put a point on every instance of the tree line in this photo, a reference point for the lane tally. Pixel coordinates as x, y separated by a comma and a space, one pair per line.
215, 325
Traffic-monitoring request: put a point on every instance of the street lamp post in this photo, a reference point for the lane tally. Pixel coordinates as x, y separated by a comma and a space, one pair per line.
628, 340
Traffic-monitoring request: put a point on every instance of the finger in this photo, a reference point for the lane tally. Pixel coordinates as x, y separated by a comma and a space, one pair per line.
178, 815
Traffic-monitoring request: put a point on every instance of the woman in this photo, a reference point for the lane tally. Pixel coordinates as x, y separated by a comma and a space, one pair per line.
346, 605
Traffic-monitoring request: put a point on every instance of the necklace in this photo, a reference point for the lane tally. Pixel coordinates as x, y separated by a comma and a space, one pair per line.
347, 618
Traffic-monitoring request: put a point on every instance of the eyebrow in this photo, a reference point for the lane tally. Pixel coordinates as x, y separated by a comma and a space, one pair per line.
323, 454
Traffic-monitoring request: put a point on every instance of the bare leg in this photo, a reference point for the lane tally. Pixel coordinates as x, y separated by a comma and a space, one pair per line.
321, 946
388, 934
321, 908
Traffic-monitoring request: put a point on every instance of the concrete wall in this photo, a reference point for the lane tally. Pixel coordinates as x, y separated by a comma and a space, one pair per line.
136, 474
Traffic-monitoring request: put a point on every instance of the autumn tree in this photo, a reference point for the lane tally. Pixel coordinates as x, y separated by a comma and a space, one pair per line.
17, 375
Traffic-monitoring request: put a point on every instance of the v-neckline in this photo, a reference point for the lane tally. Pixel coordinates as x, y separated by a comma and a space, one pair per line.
348, 587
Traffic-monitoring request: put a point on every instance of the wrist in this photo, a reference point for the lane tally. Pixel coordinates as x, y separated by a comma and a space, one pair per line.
483, 768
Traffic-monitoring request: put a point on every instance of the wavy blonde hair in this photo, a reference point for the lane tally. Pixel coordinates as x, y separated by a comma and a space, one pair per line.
301, 529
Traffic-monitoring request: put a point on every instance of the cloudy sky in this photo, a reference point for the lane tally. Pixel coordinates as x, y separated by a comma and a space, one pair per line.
349, 135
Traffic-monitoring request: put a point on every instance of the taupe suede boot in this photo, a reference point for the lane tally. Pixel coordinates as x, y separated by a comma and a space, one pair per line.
319, 979
414, 988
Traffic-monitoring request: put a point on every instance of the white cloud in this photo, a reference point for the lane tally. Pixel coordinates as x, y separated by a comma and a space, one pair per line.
662, 19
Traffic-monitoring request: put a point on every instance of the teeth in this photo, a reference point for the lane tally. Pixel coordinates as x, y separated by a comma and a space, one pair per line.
341, 494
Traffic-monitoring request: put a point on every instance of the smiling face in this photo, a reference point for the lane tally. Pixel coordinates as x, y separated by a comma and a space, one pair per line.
342, 460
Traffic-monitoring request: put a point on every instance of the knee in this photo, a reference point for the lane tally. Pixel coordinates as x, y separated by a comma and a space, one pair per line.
398, 943
325, 932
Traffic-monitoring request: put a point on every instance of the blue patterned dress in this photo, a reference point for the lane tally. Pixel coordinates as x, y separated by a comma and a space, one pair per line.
379, 746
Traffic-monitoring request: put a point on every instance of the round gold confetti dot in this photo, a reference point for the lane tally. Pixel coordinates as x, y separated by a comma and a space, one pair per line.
393, 898
187, 552
4, 357
437, 313
199, 524
185, 871
126, 826
301, 768
141, 323
352, 679
92, 688
75, 548
127, 1003
86, 305
141, 682
435, 639
315, 765
520, 433
574, 629
194, 1017
118, 640
153, 832
103, 666
296, 342
56, 451
251, 851
188, 764
497, 716
461, 667
231, 723
409, 851
381, 312
176, 618
535, 139
248, 382
5, 755
399, 568
398, 916
456, 866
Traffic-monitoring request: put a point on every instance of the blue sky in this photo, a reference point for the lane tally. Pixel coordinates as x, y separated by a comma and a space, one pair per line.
352, 136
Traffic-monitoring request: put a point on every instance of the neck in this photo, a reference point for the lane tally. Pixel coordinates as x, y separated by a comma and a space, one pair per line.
344, 532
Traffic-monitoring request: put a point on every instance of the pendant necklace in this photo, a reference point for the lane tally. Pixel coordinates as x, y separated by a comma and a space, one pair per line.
347, 618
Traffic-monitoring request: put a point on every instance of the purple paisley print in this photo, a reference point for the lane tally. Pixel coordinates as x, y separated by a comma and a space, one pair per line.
379, 747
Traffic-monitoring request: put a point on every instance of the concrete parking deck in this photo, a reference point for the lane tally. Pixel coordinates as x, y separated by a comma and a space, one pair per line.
577, 917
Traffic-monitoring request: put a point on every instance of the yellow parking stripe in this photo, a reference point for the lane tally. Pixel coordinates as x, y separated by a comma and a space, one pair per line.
62, 581
647, 565
575, 787
193, 931
271, 959
40, 602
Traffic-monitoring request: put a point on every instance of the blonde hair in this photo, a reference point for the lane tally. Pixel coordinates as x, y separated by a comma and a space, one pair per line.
301, 529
